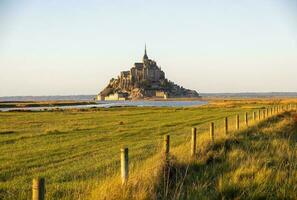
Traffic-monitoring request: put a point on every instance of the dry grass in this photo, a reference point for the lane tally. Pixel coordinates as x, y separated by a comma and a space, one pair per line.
257, 163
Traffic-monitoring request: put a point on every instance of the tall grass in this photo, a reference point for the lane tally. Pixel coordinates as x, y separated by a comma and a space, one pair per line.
257, 163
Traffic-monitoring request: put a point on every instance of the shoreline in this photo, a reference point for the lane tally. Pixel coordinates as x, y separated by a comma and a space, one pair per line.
42, 106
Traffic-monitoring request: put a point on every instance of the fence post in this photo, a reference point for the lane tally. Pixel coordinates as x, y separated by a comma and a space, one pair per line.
38, 189
211, 131
267, 112
166, 145
226, 125
237, 122
254, 116
246, 119
193, 142
264, 114
259, 115
124, 165
274, 110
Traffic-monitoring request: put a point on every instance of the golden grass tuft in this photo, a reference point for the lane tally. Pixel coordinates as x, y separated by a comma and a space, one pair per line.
142, 184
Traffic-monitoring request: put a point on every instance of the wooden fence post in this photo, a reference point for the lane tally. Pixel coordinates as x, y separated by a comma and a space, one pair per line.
166, 145
254, 116
124, 165
259, 115
264, 114
237, 122
211, 131
226, 125
267, 112
274, 110
38, 189
193, 142
246, 119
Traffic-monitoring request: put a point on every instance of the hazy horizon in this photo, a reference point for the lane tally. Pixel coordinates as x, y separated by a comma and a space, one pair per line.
68, 48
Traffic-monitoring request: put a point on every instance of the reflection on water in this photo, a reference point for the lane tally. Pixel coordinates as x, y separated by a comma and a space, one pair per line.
108, 104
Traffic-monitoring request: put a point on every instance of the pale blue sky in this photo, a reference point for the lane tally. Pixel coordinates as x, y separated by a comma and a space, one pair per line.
74, 47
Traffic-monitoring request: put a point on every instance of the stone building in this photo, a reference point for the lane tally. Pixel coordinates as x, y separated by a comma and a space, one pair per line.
141, 73
144, 79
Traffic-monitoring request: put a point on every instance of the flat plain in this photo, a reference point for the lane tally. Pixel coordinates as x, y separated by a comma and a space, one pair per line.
77, 151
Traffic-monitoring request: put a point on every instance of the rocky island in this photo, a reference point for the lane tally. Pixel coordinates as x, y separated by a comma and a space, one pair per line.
144, 80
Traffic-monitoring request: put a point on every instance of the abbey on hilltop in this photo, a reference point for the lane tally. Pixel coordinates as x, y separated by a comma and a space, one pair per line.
144, 80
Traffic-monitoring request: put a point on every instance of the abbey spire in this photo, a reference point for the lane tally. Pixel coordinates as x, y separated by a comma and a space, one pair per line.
145, 57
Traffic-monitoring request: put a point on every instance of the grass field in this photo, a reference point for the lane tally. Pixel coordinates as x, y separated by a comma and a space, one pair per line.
77, 151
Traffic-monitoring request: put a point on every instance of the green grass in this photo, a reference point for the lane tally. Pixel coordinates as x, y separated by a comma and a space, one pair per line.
76, 150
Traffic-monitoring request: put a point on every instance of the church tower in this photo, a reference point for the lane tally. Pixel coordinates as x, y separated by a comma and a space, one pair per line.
145, 57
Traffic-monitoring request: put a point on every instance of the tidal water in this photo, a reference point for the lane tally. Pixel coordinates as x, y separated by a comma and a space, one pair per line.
109, 104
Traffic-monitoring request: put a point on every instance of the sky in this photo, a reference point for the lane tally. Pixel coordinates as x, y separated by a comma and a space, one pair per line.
73, 47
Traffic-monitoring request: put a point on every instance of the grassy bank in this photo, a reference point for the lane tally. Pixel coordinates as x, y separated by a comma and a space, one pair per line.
77, 151
257, 163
